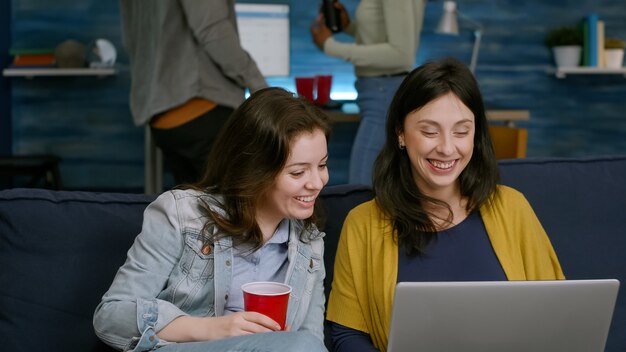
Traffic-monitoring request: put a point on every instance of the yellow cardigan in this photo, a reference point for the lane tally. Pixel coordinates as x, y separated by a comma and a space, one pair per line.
366, 265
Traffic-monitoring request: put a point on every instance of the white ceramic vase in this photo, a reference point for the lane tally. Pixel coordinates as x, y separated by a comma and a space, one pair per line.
614, 58
567, 56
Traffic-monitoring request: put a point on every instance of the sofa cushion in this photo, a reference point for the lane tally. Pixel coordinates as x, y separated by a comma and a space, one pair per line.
582, 205
59, 252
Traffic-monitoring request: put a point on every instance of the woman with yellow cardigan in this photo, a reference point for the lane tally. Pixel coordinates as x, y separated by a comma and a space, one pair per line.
438, 212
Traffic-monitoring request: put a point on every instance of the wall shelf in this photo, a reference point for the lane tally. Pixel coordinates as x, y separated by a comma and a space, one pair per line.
49, 72
561, 72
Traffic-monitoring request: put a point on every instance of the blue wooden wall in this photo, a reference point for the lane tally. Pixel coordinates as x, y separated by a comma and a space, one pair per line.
5, 87
86, 120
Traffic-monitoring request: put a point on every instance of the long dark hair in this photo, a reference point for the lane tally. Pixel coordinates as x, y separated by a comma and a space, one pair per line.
395, 189
249, 153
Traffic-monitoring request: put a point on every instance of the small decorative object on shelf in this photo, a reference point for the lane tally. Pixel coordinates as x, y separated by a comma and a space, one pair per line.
32, 57
101, 54
70, 54
614, 52
566, 44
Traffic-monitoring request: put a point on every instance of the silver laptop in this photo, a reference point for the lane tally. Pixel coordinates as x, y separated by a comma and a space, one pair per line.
564, 315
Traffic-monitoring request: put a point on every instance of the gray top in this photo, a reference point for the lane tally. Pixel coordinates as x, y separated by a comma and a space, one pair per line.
183, 49
268, 263
386, 36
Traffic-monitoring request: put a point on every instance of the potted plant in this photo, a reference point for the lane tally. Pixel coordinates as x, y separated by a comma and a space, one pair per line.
566, 44
614, 52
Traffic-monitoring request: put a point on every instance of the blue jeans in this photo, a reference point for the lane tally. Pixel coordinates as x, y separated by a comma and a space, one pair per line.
300, 341
374, 96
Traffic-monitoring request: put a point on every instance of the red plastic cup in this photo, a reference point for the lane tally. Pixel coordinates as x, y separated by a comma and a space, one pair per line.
304, 87
268, 298
323, 83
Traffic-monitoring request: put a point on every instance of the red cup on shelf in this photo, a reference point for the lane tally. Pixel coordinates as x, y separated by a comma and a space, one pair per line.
268, 298
323, 83
305, 87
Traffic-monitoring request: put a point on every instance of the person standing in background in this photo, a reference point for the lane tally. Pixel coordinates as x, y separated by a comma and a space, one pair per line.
387, 35
188, 73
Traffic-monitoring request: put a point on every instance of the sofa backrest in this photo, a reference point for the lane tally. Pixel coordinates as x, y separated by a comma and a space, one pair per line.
337, 202
59, 252
581, 204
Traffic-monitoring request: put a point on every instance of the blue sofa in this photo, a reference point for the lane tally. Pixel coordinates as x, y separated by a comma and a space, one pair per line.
59, 250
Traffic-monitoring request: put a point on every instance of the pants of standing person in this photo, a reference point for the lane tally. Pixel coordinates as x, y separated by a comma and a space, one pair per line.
374, 96
186, 148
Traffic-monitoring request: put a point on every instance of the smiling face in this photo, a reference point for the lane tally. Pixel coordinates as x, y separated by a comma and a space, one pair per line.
298, 184
439, 140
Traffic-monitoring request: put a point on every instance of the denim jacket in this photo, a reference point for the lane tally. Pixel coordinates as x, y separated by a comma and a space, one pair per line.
167, 275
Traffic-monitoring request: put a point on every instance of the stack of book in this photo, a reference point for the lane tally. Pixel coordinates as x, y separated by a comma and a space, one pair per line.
28, 58
593, 41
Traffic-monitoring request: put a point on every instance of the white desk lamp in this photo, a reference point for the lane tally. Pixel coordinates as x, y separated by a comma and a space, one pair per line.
448, 24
